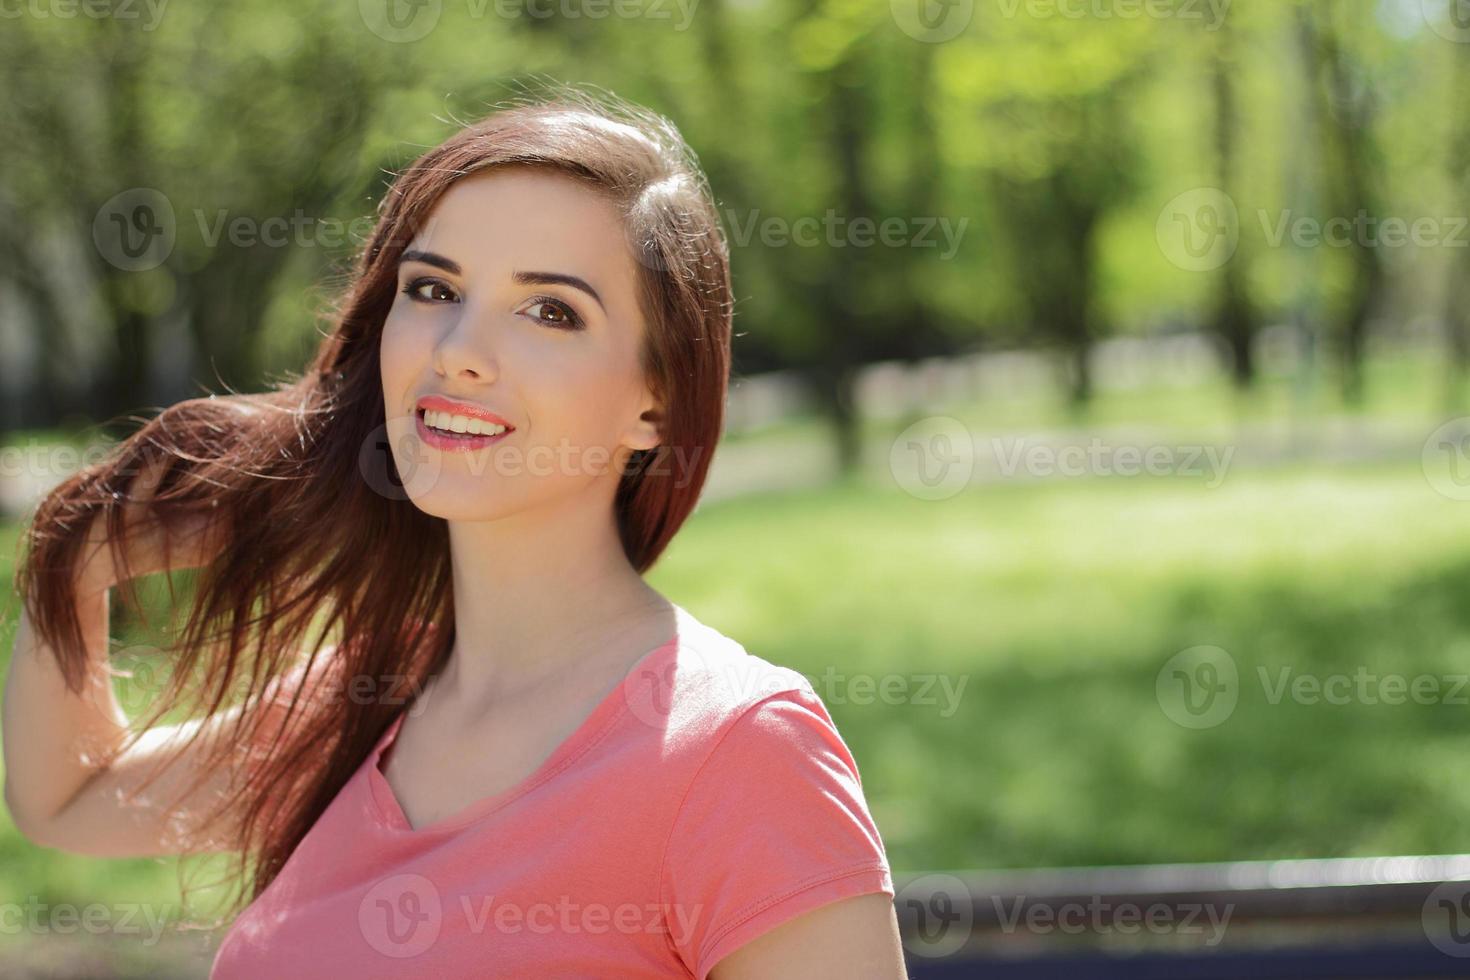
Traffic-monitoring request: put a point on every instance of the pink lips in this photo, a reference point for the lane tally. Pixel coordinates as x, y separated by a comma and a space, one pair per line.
457, 442
454, 442
438, 403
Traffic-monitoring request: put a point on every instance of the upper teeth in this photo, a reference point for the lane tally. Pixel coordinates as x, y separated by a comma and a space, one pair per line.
461, 423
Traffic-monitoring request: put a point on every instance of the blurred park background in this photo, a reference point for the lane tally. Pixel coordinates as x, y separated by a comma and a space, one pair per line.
1097, 440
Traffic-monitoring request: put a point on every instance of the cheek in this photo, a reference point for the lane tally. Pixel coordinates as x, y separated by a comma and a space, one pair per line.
595, 397
399, 354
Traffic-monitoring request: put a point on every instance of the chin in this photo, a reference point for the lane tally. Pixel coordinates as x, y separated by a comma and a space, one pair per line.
461, 503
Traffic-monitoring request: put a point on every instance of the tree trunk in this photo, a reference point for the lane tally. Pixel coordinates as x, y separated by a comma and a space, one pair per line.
1235, 320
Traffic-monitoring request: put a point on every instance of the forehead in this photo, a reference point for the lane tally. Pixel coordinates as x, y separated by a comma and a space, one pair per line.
528, 219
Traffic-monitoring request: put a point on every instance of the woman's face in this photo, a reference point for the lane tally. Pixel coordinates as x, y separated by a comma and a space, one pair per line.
476, 321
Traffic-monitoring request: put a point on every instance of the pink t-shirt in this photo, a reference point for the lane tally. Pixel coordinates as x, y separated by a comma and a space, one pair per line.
705, 800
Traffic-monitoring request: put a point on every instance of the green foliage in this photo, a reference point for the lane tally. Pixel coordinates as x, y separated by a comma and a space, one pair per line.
1056, 132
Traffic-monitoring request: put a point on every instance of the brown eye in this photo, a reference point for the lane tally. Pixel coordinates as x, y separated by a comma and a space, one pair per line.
565, 317
438, 289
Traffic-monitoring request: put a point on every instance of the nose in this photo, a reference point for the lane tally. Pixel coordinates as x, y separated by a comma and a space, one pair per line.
465, 349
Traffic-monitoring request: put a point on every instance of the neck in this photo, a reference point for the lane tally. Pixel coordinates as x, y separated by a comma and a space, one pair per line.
543, 598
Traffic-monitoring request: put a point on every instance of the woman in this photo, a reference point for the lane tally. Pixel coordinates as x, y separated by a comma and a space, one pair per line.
517, 759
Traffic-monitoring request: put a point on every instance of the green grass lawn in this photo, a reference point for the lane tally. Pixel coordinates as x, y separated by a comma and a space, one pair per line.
1056, 604
1060, 602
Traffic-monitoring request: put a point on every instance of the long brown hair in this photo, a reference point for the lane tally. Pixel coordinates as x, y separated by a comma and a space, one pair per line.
318, 538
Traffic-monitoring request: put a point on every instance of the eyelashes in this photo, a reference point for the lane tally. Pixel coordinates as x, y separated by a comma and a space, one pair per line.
411, 290
572, 320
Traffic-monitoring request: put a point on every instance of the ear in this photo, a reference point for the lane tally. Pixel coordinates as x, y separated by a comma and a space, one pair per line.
647, 432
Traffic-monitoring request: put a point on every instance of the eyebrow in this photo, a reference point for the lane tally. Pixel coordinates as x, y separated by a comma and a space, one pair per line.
525, 278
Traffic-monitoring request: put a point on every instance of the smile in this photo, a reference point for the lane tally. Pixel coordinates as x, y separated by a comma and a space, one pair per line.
457, 433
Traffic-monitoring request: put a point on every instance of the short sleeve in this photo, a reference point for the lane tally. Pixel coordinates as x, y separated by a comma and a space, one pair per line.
774, 824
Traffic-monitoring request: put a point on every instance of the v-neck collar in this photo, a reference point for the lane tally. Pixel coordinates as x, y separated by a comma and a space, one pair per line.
586, 735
